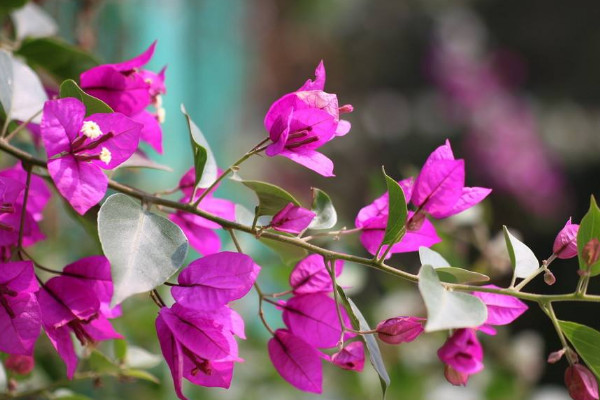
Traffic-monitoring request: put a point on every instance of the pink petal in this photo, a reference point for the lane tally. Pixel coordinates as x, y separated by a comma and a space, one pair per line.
279, 132
20, 332
439, 186
292, 219
172, 353
81, 183
64, 300
138, 61
62, 342
312, 160
443, 152
151, 132
19, 276
314, 318
220, 375
203, 240
124, 142
463, 352
343, 128
468, 198
199, 335
311, 276
319, 82
565, 244
100, 329
502, 309
61, 122
351, 357
215, 280
296, 361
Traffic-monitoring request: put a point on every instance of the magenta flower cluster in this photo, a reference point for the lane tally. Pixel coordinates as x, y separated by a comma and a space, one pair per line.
439, 190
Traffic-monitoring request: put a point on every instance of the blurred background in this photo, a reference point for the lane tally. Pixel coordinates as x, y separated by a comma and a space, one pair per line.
514, 85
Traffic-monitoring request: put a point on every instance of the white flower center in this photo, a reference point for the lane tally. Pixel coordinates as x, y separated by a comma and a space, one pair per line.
91, 129
161, 114
105, 155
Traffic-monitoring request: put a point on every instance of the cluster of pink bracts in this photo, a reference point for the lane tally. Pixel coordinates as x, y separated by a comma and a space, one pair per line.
196, 333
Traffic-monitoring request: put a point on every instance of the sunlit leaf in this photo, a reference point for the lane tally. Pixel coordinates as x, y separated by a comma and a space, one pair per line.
446, 309
589, 229
586, 341
205, 164
395, 227
271, 198
522, 258
70, 88
144, 249
322, 205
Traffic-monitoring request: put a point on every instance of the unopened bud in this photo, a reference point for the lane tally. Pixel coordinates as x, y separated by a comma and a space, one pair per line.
454, 377
19, 364
549, 278
555, 356
591, 252
581, 383
346, 108
351, 357
400, 329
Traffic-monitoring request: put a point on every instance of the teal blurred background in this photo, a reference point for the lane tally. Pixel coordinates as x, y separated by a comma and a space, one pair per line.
409, 68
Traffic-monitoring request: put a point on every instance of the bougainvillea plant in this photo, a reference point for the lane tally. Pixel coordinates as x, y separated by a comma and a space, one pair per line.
96, 124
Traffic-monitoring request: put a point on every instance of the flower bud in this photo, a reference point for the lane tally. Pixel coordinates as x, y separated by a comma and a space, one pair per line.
351, 357
463, 352
555, 356
581, 383
454, 377
565, 244
591, 252
19, 364
400, 329
549, 278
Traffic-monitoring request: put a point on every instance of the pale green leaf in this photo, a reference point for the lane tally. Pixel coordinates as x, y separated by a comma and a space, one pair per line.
522, 258
589, 229
205, 164
322, 205
447, 309
271, 198
144, 249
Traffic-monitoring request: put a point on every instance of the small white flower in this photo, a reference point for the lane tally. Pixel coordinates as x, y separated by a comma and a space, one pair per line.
91, 129
105, 155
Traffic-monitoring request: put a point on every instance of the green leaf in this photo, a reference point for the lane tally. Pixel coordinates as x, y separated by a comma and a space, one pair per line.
120, 349
288, 253
271, 198
7, 6
100, 363
395, 228
57, 57
71, 396
140, 374
446, 309
144, 249
205, 164
359, 323
589, 228
326, 217
445, 272
70, 88
522, 258
586, 341
460, 275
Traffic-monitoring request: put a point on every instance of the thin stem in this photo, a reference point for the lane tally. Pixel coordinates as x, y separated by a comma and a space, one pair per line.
235, 241
21, 126
341, 232
261, 314
549, 310
542, 268
280, 294
157, 299
330, 265
24, 206
5, 126
255, 150
389, 248
300, 243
